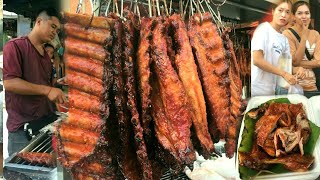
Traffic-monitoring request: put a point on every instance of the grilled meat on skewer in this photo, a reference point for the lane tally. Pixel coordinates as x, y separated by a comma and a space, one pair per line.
38, 158
173, 95
126, 156
143, 64
236, 105
130, 34
188, 74
209, 54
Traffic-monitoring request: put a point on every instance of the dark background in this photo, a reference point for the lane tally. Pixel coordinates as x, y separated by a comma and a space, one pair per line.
29, 8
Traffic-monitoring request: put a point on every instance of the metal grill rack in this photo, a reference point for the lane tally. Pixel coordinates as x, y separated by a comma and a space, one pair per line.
169, 176
44, 146
15, 165
42, 143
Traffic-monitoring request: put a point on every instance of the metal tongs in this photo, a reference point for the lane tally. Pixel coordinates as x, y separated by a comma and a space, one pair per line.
49, 128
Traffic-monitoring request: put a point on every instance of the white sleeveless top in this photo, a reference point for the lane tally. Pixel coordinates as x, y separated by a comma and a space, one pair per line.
308, 83
310, 48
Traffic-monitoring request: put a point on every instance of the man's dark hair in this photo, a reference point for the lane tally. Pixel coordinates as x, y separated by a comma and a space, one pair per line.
51, 12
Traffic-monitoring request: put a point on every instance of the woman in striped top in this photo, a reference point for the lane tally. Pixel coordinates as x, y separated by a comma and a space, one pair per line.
308, 40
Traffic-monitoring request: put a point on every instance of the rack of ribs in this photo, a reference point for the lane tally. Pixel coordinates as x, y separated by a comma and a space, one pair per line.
175, 102
236, 104
84, 144
187, 71
209, 54
130, 37
126, 157
143, 65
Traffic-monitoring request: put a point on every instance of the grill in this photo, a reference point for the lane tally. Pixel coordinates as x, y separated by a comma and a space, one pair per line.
169, 176
15, 166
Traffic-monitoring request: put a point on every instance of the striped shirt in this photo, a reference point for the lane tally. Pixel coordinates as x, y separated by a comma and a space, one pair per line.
312, 44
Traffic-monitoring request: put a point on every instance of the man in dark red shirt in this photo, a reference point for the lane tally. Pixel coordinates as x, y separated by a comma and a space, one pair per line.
27, 72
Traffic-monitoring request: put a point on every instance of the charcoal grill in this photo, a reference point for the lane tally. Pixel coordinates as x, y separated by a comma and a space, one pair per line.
16, 165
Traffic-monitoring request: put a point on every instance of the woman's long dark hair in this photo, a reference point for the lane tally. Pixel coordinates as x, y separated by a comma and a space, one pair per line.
274, 6
297, 4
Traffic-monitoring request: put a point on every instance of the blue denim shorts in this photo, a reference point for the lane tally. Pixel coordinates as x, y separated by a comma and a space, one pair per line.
281, 90
16, 141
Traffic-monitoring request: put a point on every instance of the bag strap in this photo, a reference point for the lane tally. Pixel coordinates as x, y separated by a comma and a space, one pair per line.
298, 38
295, 34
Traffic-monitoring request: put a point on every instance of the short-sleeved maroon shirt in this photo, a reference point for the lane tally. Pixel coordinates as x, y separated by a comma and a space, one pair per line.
22, 60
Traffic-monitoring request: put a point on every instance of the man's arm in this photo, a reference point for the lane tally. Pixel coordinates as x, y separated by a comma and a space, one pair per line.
20, 86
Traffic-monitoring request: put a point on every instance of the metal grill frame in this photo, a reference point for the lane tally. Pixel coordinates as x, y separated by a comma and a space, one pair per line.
41, 143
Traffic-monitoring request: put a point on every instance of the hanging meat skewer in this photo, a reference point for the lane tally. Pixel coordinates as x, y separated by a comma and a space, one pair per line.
235, 97
130, 36
243, 56
209, 53
160, 150
126, 156
143, 64
101, 61
243, 61
173, 96
81, 144
188, 74
246, 56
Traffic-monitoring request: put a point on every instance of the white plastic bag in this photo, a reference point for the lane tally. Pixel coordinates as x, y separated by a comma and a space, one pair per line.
295, 89
285, 64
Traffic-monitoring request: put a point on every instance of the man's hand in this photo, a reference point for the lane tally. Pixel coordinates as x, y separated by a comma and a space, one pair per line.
56, 95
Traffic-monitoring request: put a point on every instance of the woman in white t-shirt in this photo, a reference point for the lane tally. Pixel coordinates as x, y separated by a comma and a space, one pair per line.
268, 45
